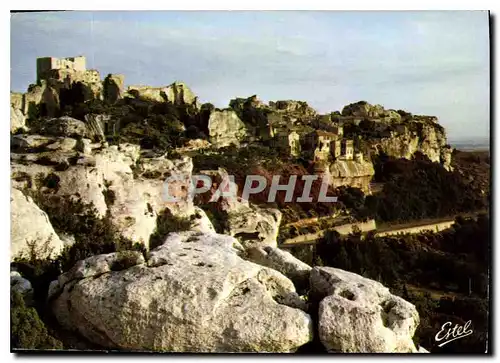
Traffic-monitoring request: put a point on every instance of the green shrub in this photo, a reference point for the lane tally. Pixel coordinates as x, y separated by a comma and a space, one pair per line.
165, 224
27, 331
125, 259
93, 235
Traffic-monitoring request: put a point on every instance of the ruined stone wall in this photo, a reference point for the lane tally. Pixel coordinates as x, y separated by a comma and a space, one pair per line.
434, 227
343, 229
72, 64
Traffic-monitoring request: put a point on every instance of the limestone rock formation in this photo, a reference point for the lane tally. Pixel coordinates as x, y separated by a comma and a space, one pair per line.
41, 99
357, 314
26, 142
193, 294
281, 261
445, 158
31, 230
200, 222
97, 125
65, 126
254, 226
429, 139
363, 109
177, 93
17, 120
294, 107
397, 133
17, 100
354, 173
180, 94
226, 128
21, 285
224, 191
113, 87
115, 179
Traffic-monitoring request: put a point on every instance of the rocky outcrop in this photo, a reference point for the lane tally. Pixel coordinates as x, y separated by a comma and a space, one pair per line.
17, 115
281, 261
114, 179
353, 173
429, 139
17, 120
96, 126
65, 126
113, 87
446, 157
293, 107
364, 109
226, 128
360, 315
41, 99
223, 193
397, 133
31, 231
193, 294
180, 94
177, 93
254, 226
21, 285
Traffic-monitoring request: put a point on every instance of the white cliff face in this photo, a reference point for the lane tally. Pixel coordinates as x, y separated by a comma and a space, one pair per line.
357, 174
114, 179
193, 294
357, 314
401, 134
281, 261
429, 140
17, 120
31, 230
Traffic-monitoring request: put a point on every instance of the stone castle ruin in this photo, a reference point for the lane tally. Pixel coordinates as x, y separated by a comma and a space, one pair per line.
64, 82
48, 66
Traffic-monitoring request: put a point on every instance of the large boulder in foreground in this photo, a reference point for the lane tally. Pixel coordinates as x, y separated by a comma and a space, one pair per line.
193, 294
360, 315
281, 261
31, 231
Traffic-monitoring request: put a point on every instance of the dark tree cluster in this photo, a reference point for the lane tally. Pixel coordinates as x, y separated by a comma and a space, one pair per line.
444, 274
420, 189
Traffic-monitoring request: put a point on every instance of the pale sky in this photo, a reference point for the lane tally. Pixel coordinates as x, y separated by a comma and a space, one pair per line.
433, 63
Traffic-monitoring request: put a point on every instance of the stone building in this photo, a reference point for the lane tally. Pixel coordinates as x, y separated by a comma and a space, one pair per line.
47, 64
65, 70
319, 145
337, 148
347, 149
